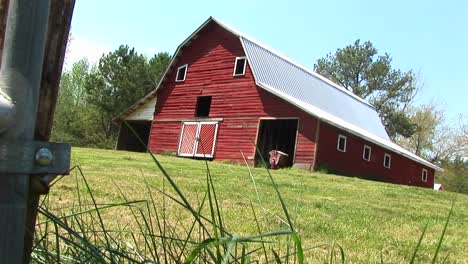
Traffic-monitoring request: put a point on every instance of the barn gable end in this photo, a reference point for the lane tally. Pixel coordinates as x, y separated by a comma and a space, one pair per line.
237, 104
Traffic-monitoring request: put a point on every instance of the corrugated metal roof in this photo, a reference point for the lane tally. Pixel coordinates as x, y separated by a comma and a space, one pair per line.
280, 74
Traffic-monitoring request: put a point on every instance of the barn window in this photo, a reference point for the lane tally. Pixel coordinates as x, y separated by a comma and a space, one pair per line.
341, 144
366, 153
239, 66
424, 175
387, 161
181, 73
203, 106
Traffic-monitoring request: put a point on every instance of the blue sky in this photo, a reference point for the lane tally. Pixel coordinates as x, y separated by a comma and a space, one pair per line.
428, 37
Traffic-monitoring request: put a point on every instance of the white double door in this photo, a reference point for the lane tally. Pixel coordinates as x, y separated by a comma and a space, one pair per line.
198, 139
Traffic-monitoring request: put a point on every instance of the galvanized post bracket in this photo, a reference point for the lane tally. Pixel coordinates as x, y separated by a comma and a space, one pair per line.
34, 157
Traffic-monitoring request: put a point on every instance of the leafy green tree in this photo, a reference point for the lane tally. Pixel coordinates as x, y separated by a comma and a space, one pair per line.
158, 64
463, 128
119, 80
431, 136
455, 176
71, 111
435, 139
370, 76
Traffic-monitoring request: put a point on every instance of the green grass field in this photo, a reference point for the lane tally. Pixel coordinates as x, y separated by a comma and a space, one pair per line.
369, 220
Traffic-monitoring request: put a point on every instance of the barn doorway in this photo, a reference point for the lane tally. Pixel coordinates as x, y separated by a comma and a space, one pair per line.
129, 141
276, 134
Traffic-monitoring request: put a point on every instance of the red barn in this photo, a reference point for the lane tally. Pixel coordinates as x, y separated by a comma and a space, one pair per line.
225, 93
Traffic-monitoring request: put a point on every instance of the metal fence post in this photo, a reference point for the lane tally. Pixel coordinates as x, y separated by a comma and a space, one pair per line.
20, 77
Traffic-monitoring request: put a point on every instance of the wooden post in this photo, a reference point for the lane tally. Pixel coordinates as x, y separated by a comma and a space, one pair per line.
20, 78
3, 19
60, 17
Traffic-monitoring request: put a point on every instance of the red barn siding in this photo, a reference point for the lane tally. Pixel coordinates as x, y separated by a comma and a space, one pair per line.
402, 170
164, 136
237, 100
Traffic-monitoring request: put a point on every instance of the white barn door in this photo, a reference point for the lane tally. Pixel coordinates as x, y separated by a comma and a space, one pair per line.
187, 139
198, 139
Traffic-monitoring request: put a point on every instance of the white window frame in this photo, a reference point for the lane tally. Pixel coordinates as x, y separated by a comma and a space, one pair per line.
235, 66
424, 175
185, 73
364, 152
338, 143
389, 160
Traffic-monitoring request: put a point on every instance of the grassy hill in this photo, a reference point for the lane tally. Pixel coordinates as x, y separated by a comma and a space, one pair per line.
369, 220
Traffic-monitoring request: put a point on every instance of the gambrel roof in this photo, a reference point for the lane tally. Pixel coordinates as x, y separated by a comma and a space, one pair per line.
305, 89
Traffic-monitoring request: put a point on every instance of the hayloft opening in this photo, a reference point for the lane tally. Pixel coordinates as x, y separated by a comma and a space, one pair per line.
203, 106
277, 134
129, 141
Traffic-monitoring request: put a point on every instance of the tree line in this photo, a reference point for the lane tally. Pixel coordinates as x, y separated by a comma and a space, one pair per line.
91, 96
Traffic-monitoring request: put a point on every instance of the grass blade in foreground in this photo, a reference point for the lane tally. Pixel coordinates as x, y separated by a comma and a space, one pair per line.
413, 258
443, 234
296, 238
169, 178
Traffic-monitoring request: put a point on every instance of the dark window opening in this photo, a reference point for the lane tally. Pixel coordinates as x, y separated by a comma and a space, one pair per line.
239, 67
203, 106
387, 161
181, 72
424, 175
276, 135
341, 145
367, 153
